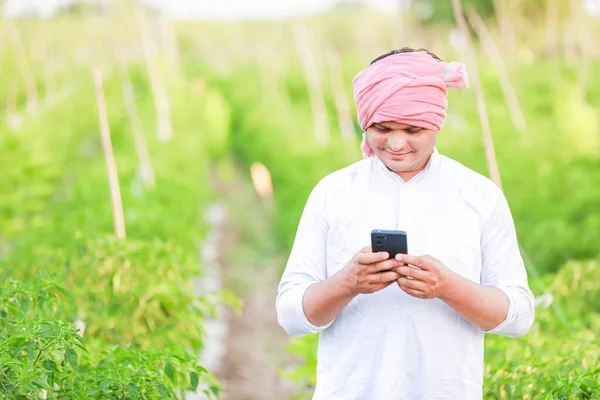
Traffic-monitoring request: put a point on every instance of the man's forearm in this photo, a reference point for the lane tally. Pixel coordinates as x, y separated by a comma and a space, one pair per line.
324, 300
484, 306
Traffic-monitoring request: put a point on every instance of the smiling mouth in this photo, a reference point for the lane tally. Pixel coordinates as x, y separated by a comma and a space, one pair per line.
398, 154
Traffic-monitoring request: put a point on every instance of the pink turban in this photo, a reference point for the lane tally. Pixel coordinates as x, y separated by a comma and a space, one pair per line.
408, 88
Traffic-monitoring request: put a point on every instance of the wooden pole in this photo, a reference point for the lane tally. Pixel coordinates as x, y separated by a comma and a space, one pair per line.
584, 45
24, 66
169, 43
141, 146
490, 47
340, 97
313, 82
157, 85
488, 142
507, 31
14, 121
553, 36
111, 166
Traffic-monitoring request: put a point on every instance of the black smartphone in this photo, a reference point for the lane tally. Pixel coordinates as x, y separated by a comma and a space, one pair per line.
393, 242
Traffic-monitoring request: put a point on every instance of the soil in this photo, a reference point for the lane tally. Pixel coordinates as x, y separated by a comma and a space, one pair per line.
251, 267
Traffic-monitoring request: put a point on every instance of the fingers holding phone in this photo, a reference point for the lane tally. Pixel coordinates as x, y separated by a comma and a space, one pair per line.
369, 272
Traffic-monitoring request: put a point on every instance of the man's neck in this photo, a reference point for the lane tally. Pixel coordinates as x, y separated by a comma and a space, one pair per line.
408, 175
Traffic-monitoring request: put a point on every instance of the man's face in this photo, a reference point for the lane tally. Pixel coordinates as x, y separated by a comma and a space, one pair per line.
404, 149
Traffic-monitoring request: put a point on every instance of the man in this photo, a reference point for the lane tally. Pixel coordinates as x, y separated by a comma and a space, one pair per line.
410, 327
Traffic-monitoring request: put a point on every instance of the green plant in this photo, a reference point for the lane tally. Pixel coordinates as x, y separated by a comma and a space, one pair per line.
39, 352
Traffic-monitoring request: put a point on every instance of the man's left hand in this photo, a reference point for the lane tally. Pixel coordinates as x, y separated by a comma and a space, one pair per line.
430, 279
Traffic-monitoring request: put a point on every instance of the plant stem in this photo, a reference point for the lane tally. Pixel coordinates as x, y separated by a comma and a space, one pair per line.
37, 358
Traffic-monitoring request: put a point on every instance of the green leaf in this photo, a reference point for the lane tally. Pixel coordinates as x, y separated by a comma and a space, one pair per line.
79, 343
41, 300
170, 371
202, 369
25, 305
132, 389
194, 380
50, 365
215, 389
46, 333
92, 391
31, 350
18, 349
162, 390
39, 383
104, 384
71, 356
82, 348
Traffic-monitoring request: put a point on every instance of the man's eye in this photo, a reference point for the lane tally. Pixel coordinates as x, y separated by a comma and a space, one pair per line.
414, 130
382, 129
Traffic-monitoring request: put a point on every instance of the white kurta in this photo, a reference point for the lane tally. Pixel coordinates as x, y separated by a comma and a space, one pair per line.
389, 345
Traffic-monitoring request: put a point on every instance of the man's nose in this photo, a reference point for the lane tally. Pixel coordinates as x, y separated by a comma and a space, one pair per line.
396, 141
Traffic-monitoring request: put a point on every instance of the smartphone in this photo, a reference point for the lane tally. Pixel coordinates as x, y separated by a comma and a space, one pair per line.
393, 242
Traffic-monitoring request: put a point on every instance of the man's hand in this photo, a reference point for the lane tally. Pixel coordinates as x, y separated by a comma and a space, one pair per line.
430, 279
369, 272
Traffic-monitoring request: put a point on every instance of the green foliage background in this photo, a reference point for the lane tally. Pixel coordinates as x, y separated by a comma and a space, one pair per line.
240, 92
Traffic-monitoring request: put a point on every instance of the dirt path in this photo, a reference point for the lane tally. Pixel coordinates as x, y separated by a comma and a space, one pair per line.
255, 344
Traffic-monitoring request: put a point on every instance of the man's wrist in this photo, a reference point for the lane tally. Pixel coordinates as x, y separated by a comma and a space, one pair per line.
452, 287
341, 285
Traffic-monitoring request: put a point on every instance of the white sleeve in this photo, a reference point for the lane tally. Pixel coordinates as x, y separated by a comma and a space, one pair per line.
503, 268
306, 266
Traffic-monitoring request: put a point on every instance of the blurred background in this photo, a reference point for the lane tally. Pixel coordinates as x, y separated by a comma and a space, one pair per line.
155, 158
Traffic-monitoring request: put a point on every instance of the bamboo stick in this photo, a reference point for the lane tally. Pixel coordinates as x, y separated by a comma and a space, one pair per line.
507, 31
49, 65
340, 98
551, 27
313, 81
553, 36
168, 37
583, 44
268, 88
157, 85
490, 47
111, 166
488, 141
14, 121
47, 80
139, 139
24, 66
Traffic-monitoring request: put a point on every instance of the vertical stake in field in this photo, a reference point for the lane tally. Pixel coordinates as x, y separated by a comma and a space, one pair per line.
340, 97
313, 81
507, 31
488, 142
13, 119
157, 85
111, 166
139, 140
490, 47
584, 44
23, 65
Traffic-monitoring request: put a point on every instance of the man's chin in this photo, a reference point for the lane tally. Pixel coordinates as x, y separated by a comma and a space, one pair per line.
397, 165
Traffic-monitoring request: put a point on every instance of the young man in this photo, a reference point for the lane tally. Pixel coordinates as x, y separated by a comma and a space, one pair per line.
410, 327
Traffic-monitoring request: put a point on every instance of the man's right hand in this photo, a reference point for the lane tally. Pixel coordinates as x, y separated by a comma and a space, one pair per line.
369, 272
